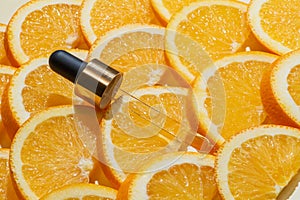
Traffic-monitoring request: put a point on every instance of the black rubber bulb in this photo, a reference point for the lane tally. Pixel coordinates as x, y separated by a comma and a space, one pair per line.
66, 64
98, 82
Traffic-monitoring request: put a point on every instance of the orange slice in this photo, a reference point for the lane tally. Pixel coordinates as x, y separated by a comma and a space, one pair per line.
228, 94
258, 163
130, 46
42, 26
47, 153
33, 88
6, 73
166, 8
6, 188
216, 27
82, 191
280, 90
4, 171
3, 57
98, 16
189, 176
273, 22
148, 75
133, 133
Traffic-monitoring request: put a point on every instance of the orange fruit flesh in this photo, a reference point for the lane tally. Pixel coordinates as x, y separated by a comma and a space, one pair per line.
147, 48
147, 75
138, 58
134, 139
41, 90
248, 106
189, 178
59, 17
132, 12
174, 7
7, 190
3, 56
128, 143
45, 161
4, 138
278, 21
293, 84
274, 172
140, 115
82, 191
4, 173
216, 43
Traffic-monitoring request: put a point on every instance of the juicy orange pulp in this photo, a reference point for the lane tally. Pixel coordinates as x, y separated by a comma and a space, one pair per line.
273, 168
217, 42
61, 17
38, 92
188, 177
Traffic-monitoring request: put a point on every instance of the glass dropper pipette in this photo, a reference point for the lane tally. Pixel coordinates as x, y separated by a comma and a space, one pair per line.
98, 84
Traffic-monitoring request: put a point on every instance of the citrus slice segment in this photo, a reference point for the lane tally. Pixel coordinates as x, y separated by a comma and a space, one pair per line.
3, 57
4, 171
173, 176
7, 190
47, 153
280, 90
258, 163
228, 94
216, 27
82, 191
42, 26
273, 22
130, 46
166, 8
6, 72
133, 133
33, 88
98, 16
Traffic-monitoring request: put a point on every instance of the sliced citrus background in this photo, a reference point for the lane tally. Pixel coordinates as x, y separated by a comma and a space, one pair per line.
173, 176
273, 22
280, 90
166, 8
148, 75
100, 16
216, 27
6, 188
48, 157
34, 87
6, 73
258, 163
84, 191
47, 153
36, 29
3, 57
130, 46
228, 94
133, 133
